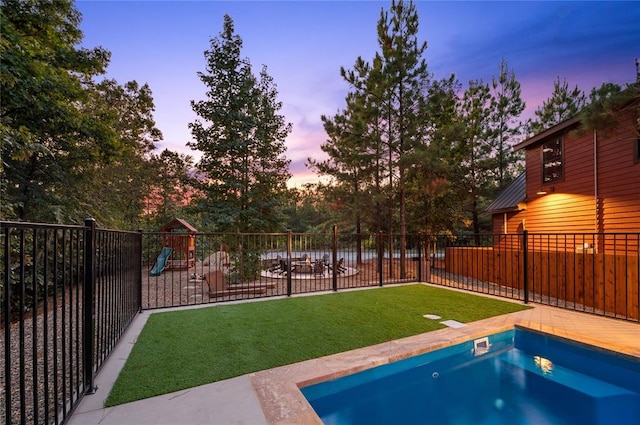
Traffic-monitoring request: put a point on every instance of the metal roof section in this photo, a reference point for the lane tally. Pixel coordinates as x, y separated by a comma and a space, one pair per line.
510, 197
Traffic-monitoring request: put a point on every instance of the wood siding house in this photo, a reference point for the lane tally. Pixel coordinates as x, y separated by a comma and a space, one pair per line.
577, 182
579, 200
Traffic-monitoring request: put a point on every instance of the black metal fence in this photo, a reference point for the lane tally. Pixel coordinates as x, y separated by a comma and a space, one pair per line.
594, 273
181, 269
68, 293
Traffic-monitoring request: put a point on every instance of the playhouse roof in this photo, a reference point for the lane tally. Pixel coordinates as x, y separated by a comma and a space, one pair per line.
178, 223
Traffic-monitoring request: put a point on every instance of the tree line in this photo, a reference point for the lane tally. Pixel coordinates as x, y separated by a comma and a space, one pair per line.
74, 146
407, 153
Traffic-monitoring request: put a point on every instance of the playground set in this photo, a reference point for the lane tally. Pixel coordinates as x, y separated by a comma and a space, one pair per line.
178, 247
178, 253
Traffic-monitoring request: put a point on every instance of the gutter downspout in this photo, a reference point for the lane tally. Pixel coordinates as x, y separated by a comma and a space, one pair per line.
505, 223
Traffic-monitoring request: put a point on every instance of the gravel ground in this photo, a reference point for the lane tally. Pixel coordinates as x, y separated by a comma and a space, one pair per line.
55, 351
177, 287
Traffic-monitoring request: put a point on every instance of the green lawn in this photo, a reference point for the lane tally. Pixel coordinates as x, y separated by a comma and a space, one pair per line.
188, 348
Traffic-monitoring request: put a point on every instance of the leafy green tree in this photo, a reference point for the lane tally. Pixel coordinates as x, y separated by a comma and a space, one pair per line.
562, 105
308, 210
114, 191
44, 133
172, 190
241, 137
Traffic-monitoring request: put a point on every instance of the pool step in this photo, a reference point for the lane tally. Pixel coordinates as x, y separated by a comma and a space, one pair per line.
588, 385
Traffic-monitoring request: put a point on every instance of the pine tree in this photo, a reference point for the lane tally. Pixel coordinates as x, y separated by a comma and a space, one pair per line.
435, 189
350, 165
562, 105
375, 122
475, 151
386, 111
405, 82
241, 137
507, 106
599, 113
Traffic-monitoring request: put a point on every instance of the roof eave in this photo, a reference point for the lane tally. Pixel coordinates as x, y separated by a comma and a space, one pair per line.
575, 120
502, 210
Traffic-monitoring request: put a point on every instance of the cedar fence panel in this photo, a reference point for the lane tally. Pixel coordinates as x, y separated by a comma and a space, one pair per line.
605, 284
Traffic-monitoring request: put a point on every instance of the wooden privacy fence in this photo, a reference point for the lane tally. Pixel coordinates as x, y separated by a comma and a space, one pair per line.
602, 283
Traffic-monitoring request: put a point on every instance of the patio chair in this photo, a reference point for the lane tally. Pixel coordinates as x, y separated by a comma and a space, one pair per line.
319, 267
281, 265
339, 266
276, 265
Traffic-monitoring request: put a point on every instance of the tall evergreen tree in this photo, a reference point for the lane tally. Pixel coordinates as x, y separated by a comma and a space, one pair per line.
605, 103
507, 106
475, 152
562, 105
241, 137
406, 82
349, 164
434, 192
388, 107
387, 113
600, 111
374, 114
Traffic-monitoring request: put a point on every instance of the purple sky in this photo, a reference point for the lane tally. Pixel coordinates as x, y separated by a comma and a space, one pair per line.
304, 44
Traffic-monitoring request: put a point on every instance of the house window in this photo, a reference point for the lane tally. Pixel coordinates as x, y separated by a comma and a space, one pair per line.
552, 161
636, 151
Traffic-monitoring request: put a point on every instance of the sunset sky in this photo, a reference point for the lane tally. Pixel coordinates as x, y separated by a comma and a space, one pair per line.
304, 44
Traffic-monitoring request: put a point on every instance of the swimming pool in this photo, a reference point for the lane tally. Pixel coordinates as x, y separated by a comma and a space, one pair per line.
512, 377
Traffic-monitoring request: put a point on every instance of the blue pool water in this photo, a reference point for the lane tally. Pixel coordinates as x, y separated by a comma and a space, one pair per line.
514, 377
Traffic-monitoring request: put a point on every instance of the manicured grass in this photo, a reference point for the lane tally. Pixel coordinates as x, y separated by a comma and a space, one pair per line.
188, 348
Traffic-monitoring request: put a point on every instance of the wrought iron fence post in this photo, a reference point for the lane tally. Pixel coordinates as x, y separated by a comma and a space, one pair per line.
139, 274
6, 308
289, 243
380, 257
89, 304
419, 268
334, 249
525, 265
